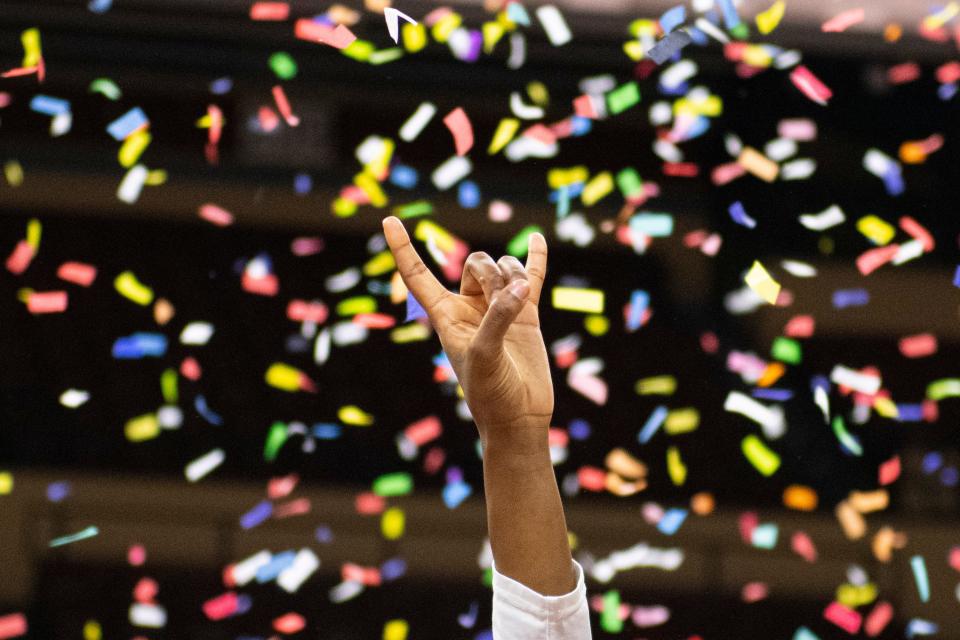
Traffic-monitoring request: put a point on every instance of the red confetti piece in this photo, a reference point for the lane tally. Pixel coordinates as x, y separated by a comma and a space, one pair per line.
871, 260
955, 558
339, 37
889, 471
12, 626
283, 106
459, 125
303, 311
878, 619
434, 460
541, 133
270, 11
297, 507
222, 606
903, 73
918, 232
810, 85
370, 504
948, 73
681, 169
754, 592
592, 478
369, 576
800, 327
47, 302
190, 369
268, 118
146, 590
583, 106
268, 285
374, 320
77, 273
844, 617
918, 346
424, 431
282, 487
803, 546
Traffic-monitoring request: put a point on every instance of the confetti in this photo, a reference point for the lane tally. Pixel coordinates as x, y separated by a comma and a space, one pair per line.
554, 24
760, 281
89, 532
459, 125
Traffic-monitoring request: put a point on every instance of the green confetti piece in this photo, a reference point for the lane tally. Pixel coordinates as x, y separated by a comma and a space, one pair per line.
275, 440
89, 532
787, 350
610, 617
414, 210
283, 65
517, 247
849, 442
357, 305
393, 484
105, 87
741, 31
359, 50
385, 55
942, 389
623, 97
168, 386
487, 578
629, 182
763, 459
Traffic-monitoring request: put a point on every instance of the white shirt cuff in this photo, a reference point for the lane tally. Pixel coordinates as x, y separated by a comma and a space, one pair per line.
537, 605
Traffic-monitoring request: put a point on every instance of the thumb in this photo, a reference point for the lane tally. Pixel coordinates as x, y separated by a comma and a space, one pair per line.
501, 313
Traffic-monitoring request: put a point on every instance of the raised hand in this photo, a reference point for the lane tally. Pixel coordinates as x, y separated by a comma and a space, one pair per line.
491, 334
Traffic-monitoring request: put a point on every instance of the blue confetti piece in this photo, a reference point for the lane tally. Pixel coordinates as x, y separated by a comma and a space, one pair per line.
140, 345
580, 126
327, 431
699, 38
414, 310
765, 536
99, 6
931, 462
820, 381
946, 91
200, 404
484, 635
468, 194
669, 46
950, 476
655, 225
244, 602
392, 569
58, 491
277, 564
455, 493
673, 18
49, 106
805, 634
579, 430
404, 176
921, 627
126, 124
775, 395
893, 181
731, 19
956, 277
740, 216
572, 191
563, 204
674, 89
323, 534
302, 184
221, 86
919, 567
653, 424
844, 298
257, 515
909, 412
639, 303
517, 13
671, 521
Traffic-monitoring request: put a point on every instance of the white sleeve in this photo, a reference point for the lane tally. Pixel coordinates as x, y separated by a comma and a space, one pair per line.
520, 613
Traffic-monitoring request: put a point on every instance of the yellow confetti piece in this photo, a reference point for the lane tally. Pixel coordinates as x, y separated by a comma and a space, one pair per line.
942, 17
854, 596
505, 132
13, 171
414, 37
643, 27
156, 178
132, 148
146, 427
427, 230
23, 295
284, 377
758, 164
576, 299
876, 230
539, 93
30, 39
392, 523
354, 416
413, 332
596, 325
356, 305
682, 421
597, 189
622, 463
757, 56
634, 50
445, 26
675, 467
492, 33
657, 385
763, 459
768, 20
34, 233
92, 630
559, 177
886, 408
379, 264
6, 483
396, 630
369, 185
380, 165
344, 208
132, 289
762, 283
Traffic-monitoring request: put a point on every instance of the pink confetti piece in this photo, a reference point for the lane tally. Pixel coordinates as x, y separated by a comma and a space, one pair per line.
424, 431
268, 119
303, 247
918, 232
282, 486
584, 107
13, 626
747, 523
215, 215
298, 507
844, 617
754, 592
871, 260
459, 125
844, 21
77, 273
339, 37
190, 369
283, 106
223, 606
878, 619
374, 320
369, 576
803, 546
903, 73
800, 327
47, 302
889, 471
272, 11
303, 311
370, 504
268, 285
918, 346
955, 558
810, 85
20, 71
541, 133
21, 258
727, 173
592, 478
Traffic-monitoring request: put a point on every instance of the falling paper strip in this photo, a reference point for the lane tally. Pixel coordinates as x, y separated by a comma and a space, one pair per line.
553, 23
204, 465
392, 16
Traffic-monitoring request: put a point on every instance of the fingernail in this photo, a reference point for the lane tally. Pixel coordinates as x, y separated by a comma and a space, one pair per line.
520, 288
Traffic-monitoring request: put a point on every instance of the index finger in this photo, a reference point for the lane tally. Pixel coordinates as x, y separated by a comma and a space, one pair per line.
425, 287
536, 265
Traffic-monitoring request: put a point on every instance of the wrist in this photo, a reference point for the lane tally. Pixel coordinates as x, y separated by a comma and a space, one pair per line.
526, 437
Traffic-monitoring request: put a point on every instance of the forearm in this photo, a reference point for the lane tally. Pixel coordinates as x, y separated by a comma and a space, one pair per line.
528, 530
